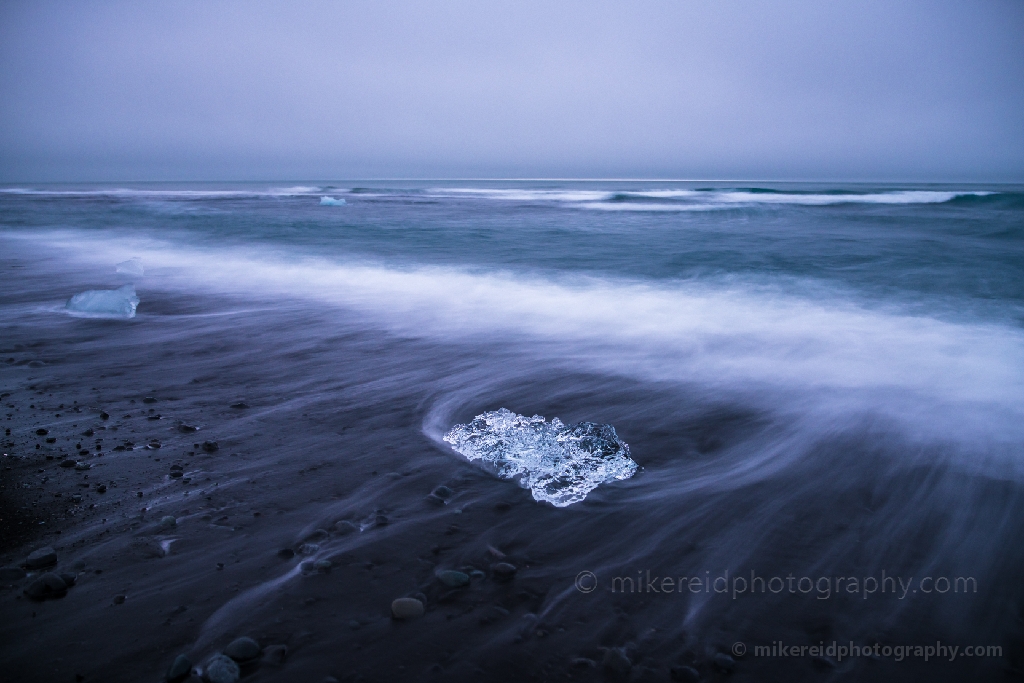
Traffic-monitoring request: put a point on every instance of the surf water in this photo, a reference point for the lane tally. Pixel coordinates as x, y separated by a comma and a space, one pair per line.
814, 380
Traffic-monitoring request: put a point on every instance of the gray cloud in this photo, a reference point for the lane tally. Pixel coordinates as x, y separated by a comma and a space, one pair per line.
230, 90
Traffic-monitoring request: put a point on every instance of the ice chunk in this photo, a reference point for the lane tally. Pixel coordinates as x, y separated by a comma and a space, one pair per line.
560, 464
331, 201
105, 303
132, 268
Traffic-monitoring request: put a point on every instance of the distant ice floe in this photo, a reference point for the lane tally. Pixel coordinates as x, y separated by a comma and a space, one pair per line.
105, 303
132, 268
559, 464
331, 201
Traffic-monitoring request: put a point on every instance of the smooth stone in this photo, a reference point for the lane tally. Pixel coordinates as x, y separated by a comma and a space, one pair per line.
406, 608
724, 662
684, 674
503, 571
221, 669
119, 599
210, 446
69, 579
240, 405
43, 557
47, 586
477, 574
42, 432
616, 661
443, 492
323, 566
345, 527
318, 535
452, 578
179, 669
276, 654
149, 399
168, 522
12, 574
82, 466
243, 649
68, 462
584, 663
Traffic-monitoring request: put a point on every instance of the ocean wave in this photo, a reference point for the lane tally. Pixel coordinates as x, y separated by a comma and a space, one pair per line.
822, 351
701, 199
129, 193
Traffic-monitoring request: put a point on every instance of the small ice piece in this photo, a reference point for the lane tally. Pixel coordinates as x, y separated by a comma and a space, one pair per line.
559, 464
105, 303
331, 201
132, 267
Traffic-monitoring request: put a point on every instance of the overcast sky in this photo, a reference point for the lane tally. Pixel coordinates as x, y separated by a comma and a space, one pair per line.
211, 89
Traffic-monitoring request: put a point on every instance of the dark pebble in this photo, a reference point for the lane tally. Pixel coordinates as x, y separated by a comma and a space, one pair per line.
149, 399
12, 574
119, 599
221, 669
179, 670
286, 553
42, 432
684, 674
240, 405
46, 587
88, 432
724, 663
210, 446
443, 492
452, 578
44, 557
104, 416
102, 488
584, 663
243, 649
345, 527
69, 579
68, 463
186, 428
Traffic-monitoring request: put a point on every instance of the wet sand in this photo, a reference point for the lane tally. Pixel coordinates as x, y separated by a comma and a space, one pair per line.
337, 427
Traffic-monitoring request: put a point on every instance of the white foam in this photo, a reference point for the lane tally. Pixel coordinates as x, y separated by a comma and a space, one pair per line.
733, 337
129, 193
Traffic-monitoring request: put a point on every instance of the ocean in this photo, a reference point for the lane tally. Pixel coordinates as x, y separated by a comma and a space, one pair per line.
821, 387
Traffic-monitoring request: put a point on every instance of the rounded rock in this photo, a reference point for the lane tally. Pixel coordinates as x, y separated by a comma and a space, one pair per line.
44, 557
168, 522
47, 586
323, 566
68, 462
210, 446
12, 574
724, 663
406, 608
345, 527
243, 649
221, 669
179, 670
452, 578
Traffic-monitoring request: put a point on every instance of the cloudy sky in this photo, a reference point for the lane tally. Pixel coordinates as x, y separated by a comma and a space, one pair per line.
217, 89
